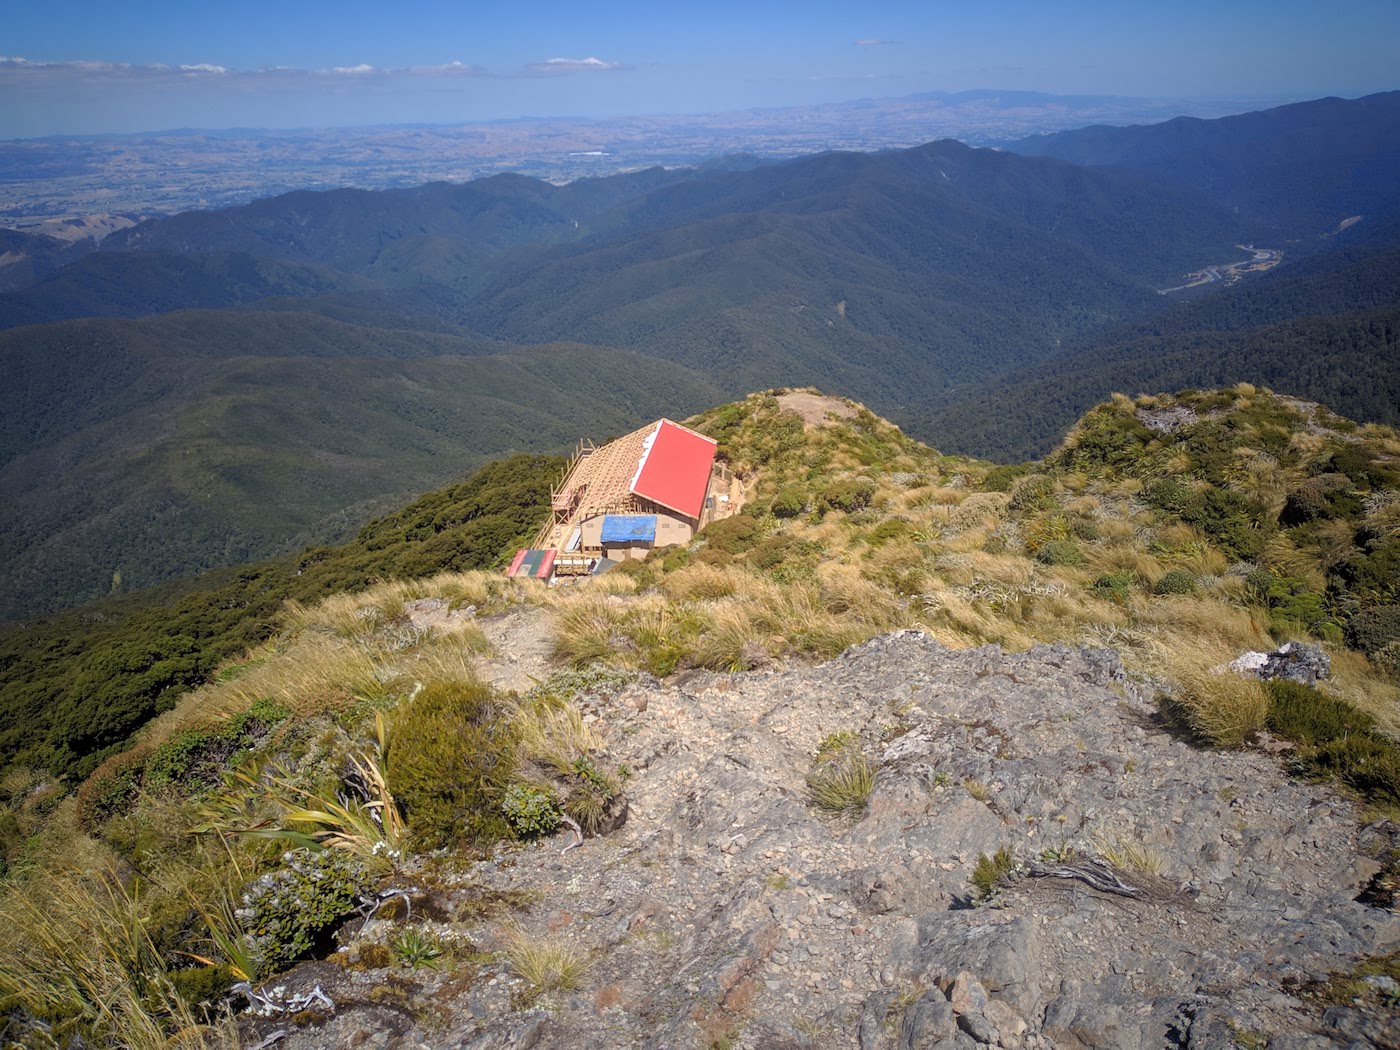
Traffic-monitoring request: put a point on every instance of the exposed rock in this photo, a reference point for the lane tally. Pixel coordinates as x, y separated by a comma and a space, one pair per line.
1305, 662
728, 911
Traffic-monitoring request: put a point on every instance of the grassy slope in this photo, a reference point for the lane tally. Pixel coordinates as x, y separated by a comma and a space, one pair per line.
1270, 520
77, 684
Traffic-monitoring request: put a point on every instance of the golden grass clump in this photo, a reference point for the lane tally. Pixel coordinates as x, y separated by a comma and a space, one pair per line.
1225, 709
554, 735
732, 640
701, 582
841, 778
1128, 853
75, 952
546, 963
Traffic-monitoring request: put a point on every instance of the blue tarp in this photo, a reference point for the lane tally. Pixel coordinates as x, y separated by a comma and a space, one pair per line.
629, 528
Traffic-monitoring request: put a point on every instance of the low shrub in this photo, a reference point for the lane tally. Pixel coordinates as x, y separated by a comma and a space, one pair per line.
891, 530
989, 874
789, 502
531, 811
203, 987
1336, 740
1375, 628
196, 758
1176, 581
290, 913
113, 787
1115, 586
1386, 660
451, 756
1364, 762
850, 495
1031, 492
1059, 552
1307, 715
732, 535
1294, 607
1319, 498
1000, 478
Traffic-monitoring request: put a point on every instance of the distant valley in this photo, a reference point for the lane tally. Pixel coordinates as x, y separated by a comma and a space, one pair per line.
56, 185
209, 387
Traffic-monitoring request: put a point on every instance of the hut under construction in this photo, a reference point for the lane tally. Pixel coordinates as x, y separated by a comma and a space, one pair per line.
654, 487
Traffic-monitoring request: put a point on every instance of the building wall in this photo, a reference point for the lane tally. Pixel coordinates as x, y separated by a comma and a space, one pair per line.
670, 528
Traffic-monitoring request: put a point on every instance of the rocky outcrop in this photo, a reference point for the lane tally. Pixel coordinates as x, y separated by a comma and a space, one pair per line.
1303, 662
1159, 895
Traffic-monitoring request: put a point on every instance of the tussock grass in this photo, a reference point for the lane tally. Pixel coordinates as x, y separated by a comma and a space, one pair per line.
841, 777
1128, 853
555, 735
546, 963
1224, 709
75, 951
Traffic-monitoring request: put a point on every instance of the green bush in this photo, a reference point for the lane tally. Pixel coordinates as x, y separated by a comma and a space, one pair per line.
1357, 463
732, 535
888, 531
1387, 661
999, 478
196, 758
451, 757
1373, 629
1060, 552
1115, 586
1107, 437
203, 986
530, 811
1307, 715
290, 913
113, 787
1175, 581
1374, 575
1032, 492
989, 873
1293, 607
788, 503
1321, 497
1336, 740
1366, 763
1229, 519
850, 495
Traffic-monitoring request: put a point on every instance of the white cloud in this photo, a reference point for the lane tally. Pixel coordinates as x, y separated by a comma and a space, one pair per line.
19, 72
447, 69
574, 65
871, 41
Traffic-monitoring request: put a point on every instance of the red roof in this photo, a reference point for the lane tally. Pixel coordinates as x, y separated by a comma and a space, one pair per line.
675, 469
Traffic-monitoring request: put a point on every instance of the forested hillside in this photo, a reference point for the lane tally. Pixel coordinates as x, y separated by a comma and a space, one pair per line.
1302, 169
136, 451
1324, 329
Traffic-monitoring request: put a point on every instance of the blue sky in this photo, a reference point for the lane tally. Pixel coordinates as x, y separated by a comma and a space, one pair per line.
84, 66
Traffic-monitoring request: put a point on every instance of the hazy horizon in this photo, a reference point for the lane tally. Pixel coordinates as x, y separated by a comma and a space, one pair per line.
90, 69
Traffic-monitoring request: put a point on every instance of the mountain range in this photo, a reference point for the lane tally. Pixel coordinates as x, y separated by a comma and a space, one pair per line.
212, 386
